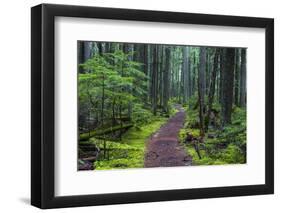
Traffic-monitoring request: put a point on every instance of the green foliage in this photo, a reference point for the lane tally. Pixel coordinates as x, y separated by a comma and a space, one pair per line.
225, 145
140, 115
233, 154
184, 131
171, 107
229, 155
112, 83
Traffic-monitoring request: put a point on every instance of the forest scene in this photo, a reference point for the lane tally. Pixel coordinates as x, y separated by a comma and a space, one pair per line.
160, 105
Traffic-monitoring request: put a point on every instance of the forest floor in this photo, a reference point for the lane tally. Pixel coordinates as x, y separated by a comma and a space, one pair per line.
163, 147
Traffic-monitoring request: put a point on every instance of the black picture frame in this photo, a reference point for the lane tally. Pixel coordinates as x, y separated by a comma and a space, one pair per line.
43, 102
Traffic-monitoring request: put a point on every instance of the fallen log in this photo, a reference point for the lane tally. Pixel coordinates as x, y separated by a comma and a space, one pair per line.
93, 133
90, 159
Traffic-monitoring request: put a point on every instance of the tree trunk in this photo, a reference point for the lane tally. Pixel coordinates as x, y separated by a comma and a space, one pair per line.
154, 79
166, 88
228, 78
102, 100
221, 74
160, 76
81, 55
236, 78
194, 86
243, 79
207, 74
212, 88
101, 48
85, 50
186, 74
201, 88
149, 68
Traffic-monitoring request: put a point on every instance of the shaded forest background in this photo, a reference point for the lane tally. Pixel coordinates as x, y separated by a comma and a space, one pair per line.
128, 91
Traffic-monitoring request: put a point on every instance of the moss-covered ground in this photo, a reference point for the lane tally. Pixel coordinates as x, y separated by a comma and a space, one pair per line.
129, 152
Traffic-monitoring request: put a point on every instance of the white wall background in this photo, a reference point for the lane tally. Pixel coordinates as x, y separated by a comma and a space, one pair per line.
15, 105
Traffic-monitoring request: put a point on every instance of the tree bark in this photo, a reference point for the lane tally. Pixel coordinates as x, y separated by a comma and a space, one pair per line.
212, 88
186, 74
154, 79
236, 77
228, 78
85, 52
243, 79
222, 56
166, 89
81, 55
201, 88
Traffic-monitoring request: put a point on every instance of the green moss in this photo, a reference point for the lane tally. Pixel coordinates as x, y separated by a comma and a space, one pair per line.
230, 155
129, 152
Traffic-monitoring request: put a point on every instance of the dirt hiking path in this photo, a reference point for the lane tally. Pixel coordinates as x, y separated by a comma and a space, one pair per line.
163, 148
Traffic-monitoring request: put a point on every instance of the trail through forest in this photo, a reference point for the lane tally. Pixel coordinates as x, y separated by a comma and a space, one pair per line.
128, 93
163, 148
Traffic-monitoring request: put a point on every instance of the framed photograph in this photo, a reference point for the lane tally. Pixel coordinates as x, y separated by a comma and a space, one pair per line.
139, 106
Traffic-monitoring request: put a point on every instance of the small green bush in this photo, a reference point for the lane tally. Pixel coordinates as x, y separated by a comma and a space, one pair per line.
140, 115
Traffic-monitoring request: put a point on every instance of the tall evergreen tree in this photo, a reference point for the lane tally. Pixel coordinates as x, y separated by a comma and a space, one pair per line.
243, 78
202, 88
227, 87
